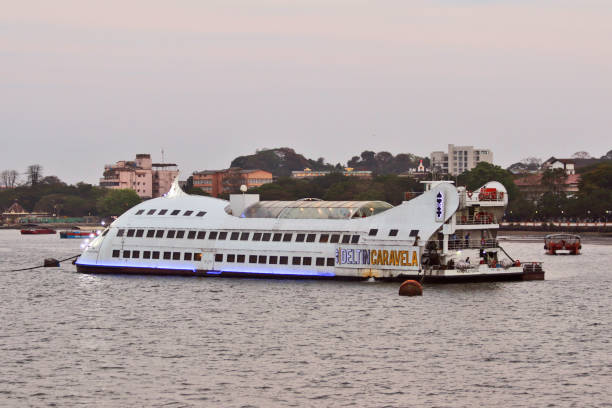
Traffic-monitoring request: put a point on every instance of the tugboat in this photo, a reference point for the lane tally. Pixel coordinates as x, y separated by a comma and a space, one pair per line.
564, 243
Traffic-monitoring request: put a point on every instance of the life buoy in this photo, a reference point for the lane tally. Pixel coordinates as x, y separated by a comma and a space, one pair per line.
470, 193
517, 263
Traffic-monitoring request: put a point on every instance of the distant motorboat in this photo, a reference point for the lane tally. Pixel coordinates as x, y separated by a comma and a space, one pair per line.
37, 231
556, 244
77, 233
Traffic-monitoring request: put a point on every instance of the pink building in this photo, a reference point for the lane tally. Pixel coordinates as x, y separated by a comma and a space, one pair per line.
147, 179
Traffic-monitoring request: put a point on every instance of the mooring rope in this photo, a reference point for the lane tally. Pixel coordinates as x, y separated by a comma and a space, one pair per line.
41, 266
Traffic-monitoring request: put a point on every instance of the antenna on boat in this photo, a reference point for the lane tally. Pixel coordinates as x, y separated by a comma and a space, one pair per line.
162, 152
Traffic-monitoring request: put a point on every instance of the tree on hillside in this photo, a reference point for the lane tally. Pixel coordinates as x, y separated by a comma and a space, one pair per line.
8, 178
607, 156
581, 155
116, 202
34, 173
553, 179
485, 172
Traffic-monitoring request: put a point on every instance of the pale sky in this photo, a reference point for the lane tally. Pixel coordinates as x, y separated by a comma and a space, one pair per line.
84, 83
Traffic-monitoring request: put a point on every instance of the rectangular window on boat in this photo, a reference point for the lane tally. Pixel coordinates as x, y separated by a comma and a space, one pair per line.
261, 259
218, 257
139, 233
354, 239
331, 261
187, 213
176, 256
231, 258
150, 233
320, 261
105, 232
234, 236
175, 212
139, 212
324, 238
126, 254
335, 238
273, 260
244, 236
135, 254
201, 214
171, 234
197, 256
155, 255
346, 239
307, 261
162, 212
201, 234
180, 234
159, 234
277, 237
191, 235
151, 212
373, 232
266, 236
393, 233
414, 233
130, 232
300, 237
240, 258
311, 237
296, 260
212, 235
187, 256
252, 258
120, 232
167, 255
116, 253
146, 254
287, 237
223, 235
283, 260
257, 236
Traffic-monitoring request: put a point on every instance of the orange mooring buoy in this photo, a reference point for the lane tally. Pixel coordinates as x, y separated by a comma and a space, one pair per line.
411, 288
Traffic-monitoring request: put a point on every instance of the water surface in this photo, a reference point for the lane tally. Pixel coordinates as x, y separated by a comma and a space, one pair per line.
70, 339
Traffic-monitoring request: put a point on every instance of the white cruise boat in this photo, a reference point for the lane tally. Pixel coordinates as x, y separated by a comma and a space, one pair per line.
429, 238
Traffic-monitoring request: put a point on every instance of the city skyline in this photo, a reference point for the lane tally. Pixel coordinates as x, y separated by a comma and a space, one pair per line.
85, 85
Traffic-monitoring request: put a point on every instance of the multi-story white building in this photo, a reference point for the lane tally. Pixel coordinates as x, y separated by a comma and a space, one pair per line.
459, 159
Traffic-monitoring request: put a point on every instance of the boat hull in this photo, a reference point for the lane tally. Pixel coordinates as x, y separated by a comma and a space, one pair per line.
74, 235
450, 276
41, 231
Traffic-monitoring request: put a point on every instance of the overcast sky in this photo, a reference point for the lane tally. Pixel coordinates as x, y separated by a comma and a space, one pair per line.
85, 83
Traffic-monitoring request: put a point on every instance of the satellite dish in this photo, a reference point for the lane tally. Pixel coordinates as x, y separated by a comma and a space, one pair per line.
243, 188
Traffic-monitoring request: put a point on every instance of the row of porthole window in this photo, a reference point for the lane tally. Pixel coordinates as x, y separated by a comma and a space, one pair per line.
274, 260
187, 213
167, 255
229, 258
240, 236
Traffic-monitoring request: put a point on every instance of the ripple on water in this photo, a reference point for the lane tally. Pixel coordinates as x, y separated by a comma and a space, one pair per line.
70, 339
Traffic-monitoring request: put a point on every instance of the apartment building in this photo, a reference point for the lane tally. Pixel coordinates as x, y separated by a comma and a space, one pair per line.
147, 179
459, 159
216, 182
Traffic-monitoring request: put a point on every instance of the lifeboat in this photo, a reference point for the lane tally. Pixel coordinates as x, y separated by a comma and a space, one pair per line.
556, 244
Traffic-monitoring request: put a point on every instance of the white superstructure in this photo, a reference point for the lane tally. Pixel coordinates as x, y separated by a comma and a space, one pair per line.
197, 235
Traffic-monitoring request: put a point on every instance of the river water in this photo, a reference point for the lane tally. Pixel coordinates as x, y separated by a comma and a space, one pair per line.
69, 339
